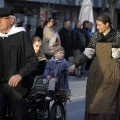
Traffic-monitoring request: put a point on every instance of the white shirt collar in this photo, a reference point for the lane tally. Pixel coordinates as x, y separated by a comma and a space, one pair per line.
13, 30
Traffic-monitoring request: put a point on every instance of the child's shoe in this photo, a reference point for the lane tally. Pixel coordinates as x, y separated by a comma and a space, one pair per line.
50, 95
47, 98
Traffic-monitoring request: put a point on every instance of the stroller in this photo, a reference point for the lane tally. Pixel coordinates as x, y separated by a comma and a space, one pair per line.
39, 109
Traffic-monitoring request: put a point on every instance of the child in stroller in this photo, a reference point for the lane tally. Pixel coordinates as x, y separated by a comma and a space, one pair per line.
56, 66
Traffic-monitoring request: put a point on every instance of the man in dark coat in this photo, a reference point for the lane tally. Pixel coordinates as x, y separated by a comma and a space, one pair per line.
78, 38
79, 44
39, 30
85, 29
66, 39
17, 61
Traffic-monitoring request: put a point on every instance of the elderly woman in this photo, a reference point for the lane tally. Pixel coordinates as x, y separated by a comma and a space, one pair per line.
102, 92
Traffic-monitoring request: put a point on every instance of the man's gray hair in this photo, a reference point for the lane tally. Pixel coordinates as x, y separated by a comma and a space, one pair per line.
12, 16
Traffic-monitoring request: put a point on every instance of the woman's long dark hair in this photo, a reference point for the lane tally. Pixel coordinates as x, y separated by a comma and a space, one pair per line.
48, 20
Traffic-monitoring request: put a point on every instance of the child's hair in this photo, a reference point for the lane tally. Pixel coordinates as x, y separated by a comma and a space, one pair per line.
36, 39
57, 49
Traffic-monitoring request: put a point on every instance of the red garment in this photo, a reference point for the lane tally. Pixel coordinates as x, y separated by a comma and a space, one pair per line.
56, 43
53, 75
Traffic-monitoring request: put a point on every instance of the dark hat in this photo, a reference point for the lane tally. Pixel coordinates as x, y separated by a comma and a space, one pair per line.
5, 11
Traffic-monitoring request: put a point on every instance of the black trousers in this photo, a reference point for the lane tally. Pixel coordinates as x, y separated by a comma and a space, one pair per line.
16, 101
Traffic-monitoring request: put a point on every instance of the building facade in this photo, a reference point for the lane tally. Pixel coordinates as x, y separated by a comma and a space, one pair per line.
30, 11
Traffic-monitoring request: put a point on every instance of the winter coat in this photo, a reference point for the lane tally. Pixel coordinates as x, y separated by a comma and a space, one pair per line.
78, 39
87, 36
60, 69
48, 33
39, 32
66, 41
17, 56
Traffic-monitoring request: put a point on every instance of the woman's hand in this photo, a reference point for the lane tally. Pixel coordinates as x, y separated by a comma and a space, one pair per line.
72, 68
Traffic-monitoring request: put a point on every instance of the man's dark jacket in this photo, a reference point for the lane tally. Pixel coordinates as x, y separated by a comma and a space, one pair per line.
39, 32
66, 41
78, 39
17, 56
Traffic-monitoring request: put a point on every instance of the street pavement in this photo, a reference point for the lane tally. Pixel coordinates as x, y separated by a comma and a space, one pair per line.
77, 86
76, 108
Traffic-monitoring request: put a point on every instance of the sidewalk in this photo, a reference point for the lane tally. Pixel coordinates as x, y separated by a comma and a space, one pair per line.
76, 84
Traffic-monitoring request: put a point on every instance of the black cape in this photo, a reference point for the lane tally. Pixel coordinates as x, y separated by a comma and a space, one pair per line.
17, 56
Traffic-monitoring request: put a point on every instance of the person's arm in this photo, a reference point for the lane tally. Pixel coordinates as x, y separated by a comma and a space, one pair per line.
115, 49
28, 62
67, 65
29, 58
86, 55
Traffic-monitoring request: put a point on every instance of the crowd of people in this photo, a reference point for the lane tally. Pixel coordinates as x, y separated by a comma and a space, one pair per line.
47, 54
74, 41
22, 59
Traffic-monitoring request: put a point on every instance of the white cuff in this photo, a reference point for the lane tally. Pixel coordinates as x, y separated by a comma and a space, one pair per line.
89, 52
115, 52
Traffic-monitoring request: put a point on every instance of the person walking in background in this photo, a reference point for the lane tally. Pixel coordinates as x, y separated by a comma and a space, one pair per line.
39, 30
55, 27
90, 27
54, 41
79, 44
17, 61
48, 34
25, 26
66, 39
103, 84
21, 24
85, 29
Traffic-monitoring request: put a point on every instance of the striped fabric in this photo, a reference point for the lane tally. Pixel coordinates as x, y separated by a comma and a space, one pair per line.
38, 86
